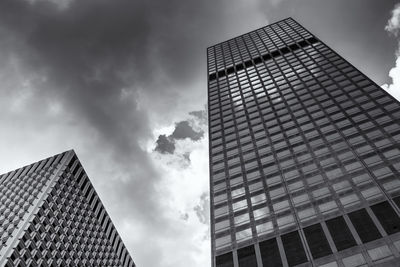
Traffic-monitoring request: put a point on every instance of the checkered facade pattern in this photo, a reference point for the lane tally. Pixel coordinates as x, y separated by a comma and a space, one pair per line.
304, 155
50, 215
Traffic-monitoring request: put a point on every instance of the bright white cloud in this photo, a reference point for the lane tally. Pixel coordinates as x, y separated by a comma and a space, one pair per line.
184, 191
393, 24
393, 27
394, 87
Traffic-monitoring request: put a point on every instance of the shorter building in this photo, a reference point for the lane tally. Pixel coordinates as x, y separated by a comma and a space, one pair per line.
50, 215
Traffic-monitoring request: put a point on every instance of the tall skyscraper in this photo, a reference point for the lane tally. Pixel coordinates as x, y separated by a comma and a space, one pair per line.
304, 155
50, 215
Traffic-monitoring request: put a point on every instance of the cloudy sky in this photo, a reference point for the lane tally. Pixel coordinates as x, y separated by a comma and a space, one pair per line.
123, 83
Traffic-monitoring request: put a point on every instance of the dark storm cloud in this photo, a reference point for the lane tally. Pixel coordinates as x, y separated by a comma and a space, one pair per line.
183, 129
165, 145
85, 52
94, 50
95, 54
201, 115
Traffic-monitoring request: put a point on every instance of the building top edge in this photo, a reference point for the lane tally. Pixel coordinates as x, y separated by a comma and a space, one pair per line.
271, 24
70, 151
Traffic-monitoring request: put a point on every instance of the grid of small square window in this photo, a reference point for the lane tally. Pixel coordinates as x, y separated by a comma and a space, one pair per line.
60, 219
301, 137
370, 250
20, 192
248, 46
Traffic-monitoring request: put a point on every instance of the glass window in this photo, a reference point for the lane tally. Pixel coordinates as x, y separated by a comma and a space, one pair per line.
330, 264
321, 192
221, 211
328, 161
217, 157
280, 206
250, 165
255, 186
247, 256
364, 149
294, 249
362, 179
238, 192
340, 233
371, 193
296, 186
315, 179
270, 169
243, 235
264, 228
387, 217
221, 225
239, 205
341, 186
223, 241
252, 175
335, 173
306, 214
353, 261
270, 253
225, 260
317, 241
219, 186
261, 212
267, 159
258, 199
285, 221
321, 151
273, 180
392, 153
234, 161
235, 170
220, 198
364, 225
242, 219
353, 166
297, 200
373, 160
309, 167
397, 244
276, 192
349, 200
382, 143
380, 253
290, 174
328, 207
301, 148
235, 181
392, 186
382, 172
287, 163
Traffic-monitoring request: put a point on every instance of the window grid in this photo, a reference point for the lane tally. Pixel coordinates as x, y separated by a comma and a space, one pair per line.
51, 215
295, 128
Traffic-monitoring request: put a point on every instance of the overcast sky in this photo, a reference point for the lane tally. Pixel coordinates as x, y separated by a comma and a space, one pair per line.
123, 83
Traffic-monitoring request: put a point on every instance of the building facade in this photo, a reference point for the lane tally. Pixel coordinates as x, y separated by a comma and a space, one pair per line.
304, 155
50, 215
